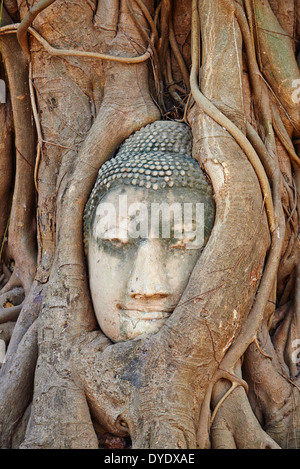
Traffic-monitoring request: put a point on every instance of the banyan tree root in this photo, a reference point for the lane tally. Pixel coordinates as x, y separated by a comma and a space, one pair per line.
6, 170
17, 373
16, 392
27, 21
278, 62
6, 331
11, 304
21, 245
229, 430
267, 282
213, 112
274, 393
12, 9
137, 402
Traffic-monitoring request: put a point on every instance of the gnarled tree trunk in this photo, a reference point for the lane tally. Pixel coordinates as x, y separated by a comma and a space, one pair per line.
223, 372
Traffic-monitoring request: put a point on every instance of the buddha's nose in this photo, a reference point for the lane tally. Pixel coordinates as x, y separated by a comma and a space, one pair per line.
149, 278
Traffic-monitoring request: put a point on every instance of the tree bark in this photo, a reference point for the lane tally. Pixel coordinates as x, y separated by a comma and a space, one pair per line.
227, 70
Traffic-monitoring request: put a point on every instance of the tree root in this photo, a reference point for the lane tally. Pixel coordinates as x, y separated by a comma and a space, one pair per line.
163, 42
28, 315
10, 310
277, 60
20, 431
37, 125
11, 304
53, 51
27, 21
6, 169
205, 421
14, 281
260, 148
151, 41
178, 55
236, 427
260, 93
6, 331
15, 296
255, 317
212, 111
148, 17
284, 137
16, 393
276, 224
12, 9
265, 355
21, 234
233, 386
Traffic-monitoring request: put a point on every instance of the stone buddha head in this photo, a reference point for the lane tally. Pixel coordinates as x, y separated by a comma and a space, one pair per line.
146, 222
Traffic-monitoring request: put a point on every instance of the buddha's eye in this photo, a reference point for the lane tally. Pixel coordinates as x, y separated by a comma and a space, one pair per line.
116, 238
182, 242
116, 243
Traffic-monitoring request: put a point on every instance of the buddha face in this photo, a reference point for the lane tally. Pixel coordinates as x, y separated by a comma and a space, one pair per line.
141, 255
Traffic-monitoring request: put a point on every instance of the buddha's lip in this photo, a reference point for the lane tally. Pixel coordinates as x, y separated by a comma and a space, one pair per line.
146, 315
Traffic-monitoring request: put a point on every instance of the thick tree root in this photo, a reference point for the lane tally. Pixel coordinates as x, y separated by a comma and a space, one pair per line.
212, 111
6, 170
274, 397
248, 333
11, 305
30, 311
236, 427
6, 331
206, 420
16, 393
14, 281
53, 51
21, 234
27, 21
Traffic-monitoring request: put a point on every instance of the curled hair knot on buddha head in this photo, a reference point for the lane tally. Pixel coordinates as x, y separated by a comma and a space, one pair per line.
156, 157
